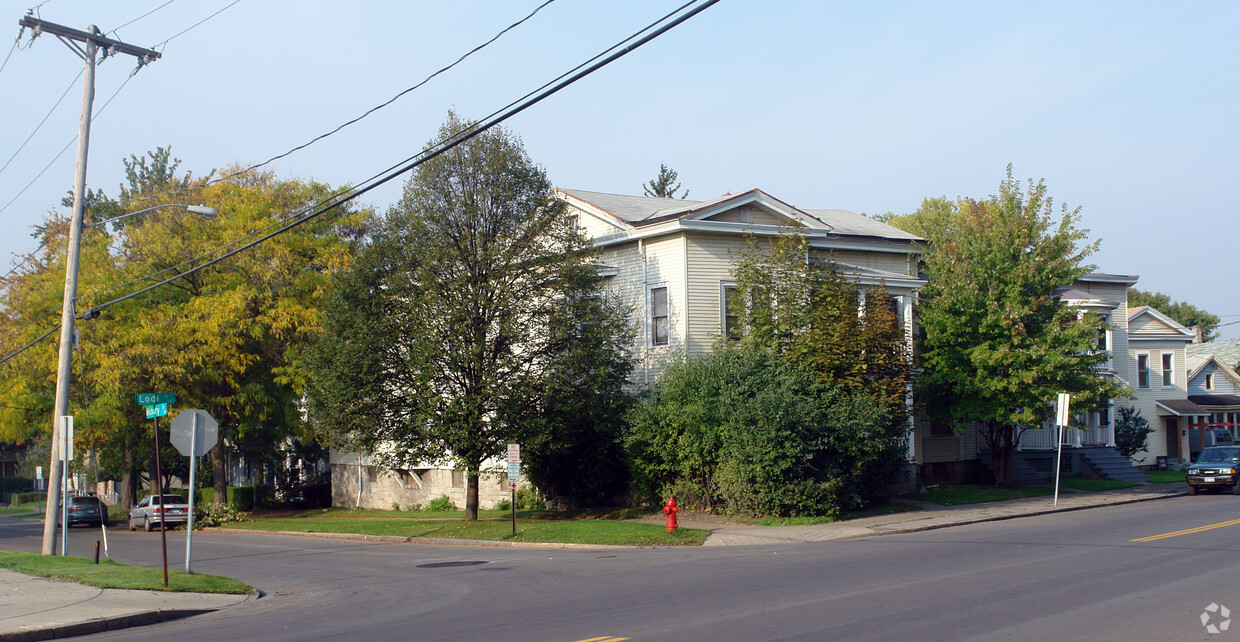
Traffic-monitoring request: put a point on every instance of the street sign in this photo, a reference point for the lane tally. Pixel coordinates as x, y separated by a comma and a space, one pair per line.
1061, 418
514, 453
158, 410
38, 473
183, 436
514, 472
152, 398
66, 438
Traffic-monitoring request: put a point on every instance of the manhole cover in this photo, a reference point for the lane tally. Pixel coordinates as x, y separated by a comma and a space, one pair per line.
449, 564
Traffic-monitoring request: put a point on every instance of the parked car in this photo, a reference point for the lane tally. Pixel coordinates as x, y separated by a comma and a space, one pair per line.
1217, 467
86, 510
150, 512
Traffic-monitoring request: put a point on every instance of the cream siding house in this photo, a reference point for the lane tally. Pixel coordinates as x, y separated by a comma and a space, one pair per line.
1158, 378
671, 261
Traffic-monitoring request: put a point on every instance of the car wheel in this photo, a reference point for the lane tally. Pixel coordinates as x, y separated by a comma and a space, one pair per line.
146, 524
129, 522
1192, 490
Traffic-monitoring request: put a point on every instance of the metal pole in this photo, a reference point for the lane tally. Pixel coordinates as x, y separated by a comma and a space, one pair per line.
193, 460
67, 311
159, 497
1058, 457
514, 510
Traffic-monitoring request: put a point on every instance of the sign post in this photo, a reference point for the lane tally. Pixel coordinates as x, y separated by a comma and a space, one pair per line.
1061, 421
514, 476
156, 407
194, 432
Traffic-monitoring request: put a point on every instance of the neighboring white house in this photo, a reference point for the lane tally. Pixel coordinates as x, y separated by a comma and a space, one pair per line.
671, 261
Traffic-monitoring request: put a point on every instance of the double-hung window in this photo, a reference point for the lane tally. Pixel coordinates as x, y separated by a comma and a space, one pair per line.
1168, 369
733, 307
1143, 371
658, 316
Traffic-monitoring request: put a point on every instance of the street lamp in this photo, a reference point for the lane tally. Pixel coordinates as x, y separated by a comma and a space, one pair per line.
67, 316
201, 210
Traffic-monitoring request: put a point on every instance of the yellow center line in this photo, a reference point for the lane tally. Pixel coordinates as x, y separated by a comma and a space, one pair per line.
1187, 531
605, 638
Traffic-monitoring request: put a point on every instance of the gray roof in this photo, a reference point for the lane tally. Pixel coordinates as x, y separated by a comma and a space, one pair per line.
635, 209
1227, 351
1215, 400
1181, 406
846, 222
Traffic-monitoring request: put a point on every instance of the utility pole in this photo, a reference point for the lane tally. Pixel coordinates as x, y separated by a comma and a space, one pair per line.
94, 41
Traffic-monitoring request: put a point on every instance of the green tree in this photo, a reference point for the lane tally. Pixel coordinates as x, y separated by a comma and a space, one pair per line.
1184, 313
998, 345
664, 185
745, 431
1132, 431
439, 341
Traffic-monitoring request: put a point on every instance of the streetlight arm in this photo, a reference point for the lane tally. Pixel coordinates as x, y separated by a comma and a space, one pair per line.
201, 210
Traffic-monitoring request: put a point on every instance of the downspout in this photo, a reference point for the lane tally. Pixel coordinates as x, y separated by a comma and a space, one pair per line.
641, 251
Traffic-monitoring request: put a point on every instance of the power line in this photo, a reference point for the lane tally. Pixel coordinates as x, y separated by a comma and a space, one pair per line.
72, 83
196, 24
114, 31
345, 196
358, 118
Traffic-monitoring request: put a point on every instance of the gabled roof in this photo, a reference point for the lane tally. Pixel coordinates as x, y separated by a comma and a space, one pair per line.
1083, 298
1196, 363
633, 212
1173, 329
1227, 351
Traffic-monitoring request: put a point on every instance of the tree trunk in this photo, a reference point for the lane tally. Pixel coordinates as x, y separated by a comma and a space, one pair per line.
1003, 457
471, 493
218, 475
129, 483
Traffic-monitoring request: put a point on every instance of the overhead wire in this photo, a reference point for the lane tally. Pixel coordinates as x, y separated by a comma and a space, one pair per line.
68, 89
117, 29
368, 112
619, 50
196, 24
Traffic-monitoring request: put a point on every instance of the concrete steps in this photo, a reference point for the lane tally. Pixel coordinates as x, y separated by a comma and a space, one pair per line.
1109, 464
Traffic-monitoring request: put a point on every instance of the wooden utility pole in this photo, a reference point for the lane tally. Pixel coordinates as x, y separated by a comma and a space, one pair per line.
94, 42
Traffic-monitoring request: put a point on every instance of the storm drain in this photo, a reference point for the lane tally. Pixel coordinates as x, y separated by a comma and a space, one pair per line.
449, 564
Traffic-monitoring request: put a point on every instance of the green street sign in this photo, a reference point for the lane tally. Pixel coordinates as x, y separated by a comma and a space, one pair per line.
158, 410
152, 398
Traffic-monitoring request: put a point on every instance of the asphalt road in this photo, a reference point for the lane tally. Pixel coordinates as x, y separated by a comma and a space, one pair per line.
1067, 575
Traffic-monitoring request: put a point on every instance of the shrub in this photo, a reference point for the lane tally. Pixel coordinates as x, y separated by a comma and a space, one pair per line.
528, 499
1132, 431
441, 504
743, 431
210, 514
503, 504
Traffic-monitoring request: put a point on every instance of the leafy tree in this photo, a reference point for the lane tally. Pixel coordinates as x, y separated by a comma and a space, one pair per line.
804, 308
1182, 312
745, 431
220, 338
438, 342
1132, 431
664, 185
998, 346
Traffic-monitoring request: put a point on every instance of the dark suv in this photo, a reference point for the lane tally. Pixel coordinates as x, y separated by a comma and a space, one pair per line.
1217, 467
86, 510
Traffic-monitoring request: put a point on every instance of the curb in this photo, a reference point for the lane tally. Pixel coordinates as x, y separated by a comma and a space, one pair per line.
998, 518
101, 625
430, 541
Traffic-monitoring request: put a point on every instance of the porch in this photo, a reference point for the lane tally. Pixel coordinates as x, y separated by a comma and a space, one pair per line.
1044, 438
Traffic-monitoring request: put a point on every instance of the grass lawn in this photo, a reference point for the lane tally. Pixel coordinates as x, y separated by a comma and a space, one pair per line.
19, 511
1166, 476
532, 526
959, 494
879, 509
1082, 483
109, 574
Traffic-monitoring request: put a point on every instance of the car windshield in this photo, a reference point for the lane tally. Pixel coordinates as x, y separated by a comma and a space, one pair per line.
1216, 455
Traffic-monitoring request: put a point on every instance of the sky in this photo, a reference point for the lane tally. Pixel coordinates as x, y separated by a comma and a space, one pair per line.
1127, 110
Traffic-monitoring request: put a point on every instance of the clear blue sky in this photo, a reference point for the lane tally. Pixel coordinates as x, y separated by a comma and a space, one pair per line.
1127, 109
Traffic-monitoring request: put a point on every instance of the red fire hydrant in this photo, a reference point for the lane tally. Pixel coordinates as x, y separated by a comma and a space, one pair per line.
669, 509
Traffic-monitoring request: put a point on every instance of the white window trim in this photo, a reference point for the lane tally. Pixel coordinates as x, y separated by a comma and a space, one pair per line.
1208, 382
723, 306
649, 316
1136, 373
1162, 371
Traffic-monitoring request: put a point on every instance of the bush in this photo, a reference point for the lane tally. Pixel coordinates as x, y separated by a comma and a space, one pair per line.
742, 431
27, 497
441, 504
528, 499
504, 504
1132, 431
210, 514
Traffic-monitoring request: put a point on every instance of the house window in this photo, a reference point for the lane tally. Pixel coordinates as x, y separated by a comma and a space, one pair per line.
940, 428
732, 306
1104, 343
658, 316
458, 479
1209, 382
1104, 417
1168, 369
1143, 371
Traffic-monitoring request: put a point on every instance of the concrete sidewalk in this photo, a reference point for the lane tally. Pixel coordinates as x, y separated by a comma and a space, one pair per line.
930, 516
34, 608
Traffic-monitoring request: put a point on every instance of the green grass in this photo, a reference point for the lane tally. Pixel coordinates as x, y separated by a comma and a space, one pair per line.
371, 513
109, 574
956, 495
19, 511
1082, 483
1166, 476
560, 531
